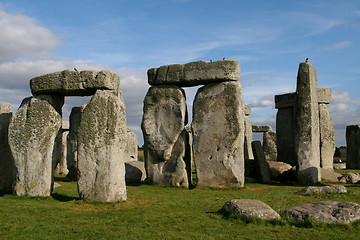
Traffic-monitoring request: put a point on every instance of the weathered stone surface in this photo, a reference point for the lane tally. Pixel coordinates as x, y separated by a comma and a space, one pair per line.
72, 142
353, 149
324, 95
35, 139
61, 166
330, 175
350, 178
251, 168
277, 168
269, 146
323, 189
327, 138
285, 136
307, 135
261, 163
256, 128
166, 142
285, 100
194, 73
218, 131
7, 167
339, 165
250, 209
131, 147
248, 153
247, 110
74, 83
326, 211
101, 148
135, 172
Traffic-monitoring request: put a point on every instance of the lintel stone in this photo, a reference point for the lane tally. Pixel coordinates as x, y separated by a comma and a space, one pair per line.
194, 73
256, 128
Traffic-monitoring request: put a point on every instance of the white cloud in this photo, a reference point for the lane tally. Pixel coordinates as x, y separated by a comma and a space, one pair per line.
343, 44
21, 36
266, 101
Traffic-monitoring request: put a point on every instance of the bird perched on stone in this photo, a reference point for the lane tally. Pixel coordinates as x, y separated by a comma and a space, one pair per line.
223, 58
307, 60
75, 69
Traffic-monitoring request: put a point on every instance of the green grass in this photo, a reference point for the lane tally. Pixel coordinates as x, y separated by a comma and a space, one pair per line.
160, 212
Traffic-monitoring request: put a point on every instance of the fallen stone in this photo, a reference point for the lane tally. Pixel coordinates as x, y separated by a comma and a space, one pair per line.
56, 185
101, 148
7, 168
323, 189
277, 168
350, 178
339, 165
250, 209
218, 135
166, 142
35, 140
326, 211
74, 83
194, 73
330, 176
135, 172
261, 163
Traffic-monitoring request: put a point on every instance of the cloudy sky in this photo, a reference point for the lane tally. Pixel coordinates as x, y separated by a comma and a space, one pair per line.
268, 38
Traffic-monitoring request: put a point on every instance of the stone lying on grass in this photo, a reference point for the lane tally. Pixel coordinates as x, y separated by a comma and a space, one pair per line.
326, 211
350, 178
323, 189
330, 176
135, 172
277, 168
250, 209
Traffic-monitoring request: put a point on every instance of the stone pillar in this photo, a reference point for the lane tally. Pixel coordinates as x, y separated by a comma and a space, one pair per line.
307, 135
131, 149
6, 160
352, 147
165, 142
269, 145
218, 131
35, 139
262, 165
248, 153
327, 132
101, 148
72, 142
61, 166
285, 128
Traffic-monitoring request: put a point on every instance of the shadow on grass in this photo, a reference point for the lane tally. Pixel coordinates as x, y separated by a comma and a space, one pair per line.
64, 198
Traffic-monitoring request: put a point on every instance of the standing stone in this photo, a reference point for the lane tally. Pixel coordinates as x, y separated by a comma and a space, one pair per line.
262, 165
166, 145
72, 141
6, 160
35, 139
61, 167
327, 138
131, 148
269, 145
218, 131
285, 128
353, 149
248, 153
307, 135
101, 148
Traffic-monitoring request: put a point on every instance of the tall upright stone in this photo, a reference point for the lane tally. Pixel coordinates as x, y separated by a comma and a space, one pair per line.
131, 147
248, 152
35, 139
218, 131
327, 132
6, 160
269, 145
352, 147
101, 148
72, 141
61, 167
166, 148
307, 135
285, 128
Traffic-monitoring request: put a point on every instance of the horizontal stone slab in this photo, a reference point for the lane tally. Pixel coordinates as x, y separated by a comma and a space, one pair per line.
74, 83
256, 128
194, 73
288, 99
324, 95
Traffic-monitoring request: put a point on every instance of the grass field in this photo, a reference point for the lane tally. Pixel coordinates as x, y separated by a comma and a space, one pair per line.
160, 212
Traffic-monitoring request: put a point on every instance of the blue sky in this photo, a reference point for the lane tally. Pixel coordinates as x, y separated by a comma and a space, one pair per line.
268, 38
